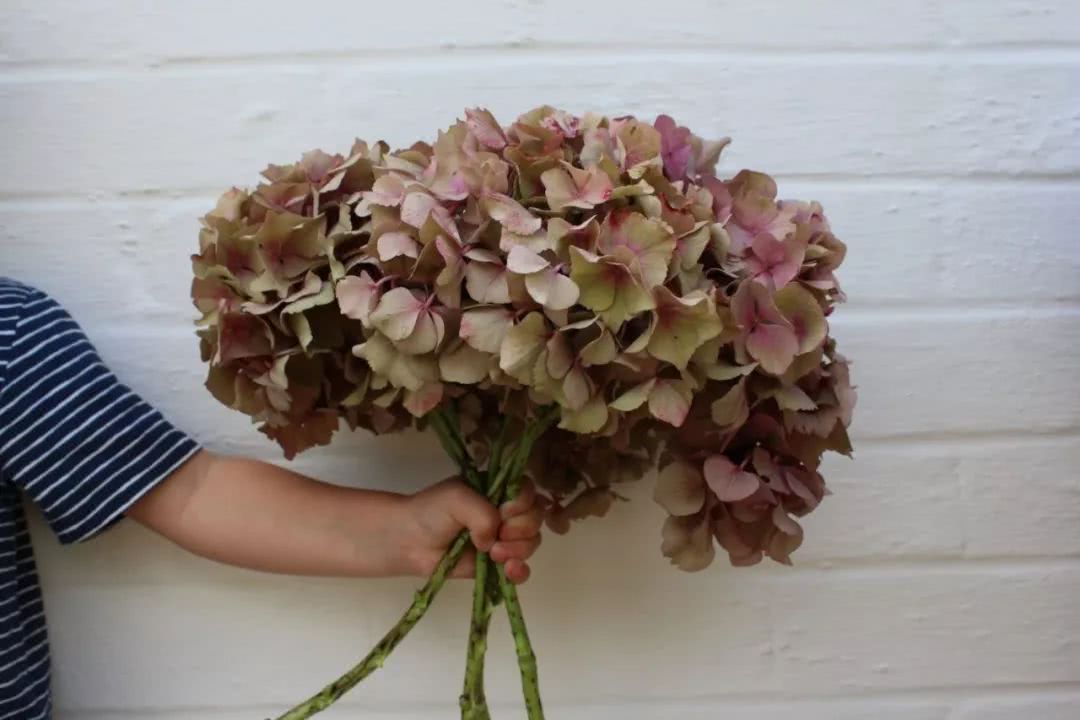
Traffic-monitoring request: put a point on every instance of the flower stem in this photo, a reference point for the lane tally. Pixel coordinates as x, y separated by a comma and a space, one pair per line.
530, 680
527, 666
378, 655
496, 486
510, 468
473, 701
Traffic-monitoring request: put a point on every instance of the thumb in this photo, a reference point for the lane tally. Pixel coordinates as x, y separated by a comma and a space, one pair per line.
473, 512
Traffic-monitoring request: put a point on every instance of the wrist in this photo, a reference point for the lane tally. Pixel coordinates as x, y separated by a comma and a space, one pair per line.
398, 547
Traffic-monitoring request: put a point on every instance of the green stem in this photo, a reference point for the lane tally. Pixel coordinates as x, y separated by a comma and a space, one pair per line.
377, 657
473, 700
526, 657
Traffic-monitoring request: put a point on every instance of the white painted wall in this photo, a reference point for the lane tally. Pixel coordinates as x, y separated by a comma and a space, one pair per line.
941, 582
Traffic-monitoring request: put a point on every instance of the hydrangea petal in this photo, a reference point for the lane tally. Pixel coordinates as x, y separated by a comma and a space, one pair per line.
774, 346
523, 343
590, 418
635, 397
484, 328
799, 307
683, 324
670, 401
577, 389
688, 542
487, 283
732, 408
552, 289
511, 214
680, 489
416, 207
730, 482
464, 364
396, 244
486, 128
397, 313
420, 402
524, 261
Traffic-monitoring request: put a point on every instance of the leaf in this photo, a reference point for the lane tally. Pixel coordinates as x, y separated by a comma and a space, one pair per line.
728, 481
680, 489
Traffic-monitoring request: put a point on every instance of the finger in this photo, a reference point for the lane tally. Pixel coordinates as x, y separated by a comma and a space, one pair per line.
517, 571
466, 567
525, 499
521, 527
506, 550
476, 515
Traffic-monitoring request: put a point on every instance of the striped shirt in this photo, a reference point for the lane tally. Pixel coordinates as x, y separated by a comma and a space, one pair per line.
78, 444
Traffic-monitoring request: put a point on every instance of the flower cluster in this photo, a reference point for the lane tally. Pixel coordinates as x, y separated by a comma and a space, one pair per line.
598, 263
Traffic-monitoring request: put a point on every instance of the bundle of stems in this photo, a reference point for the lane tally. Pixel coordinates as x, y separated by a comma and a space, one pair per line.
500, 481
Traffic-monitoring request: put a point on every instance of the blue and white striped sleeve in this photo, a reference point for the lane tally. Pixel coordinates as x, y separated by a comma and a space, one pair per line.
79, 443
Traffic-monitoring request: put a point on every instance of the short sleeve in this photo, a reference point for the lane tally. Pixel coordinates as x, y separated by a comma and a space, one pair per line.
78, 442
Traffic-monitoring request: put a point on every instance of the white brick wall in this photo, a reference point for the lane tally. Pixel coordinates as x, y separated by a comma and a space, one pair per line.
940, 582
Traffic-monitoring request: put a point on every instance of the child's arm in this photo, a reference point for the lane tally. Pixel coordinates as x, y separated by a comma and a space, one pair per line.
260, 516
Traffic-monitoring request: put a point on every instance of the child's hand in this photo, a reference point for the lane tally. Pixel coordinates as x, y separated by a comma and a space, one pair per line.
510, 534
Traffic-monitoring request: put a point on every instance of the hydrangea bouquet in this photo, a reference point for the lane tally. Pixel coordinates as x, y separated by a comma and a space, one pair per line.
575, 299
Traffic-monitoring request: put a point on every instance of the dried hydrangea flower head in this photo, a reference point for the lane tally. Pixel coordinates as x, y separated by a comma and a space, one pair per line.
596, 263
